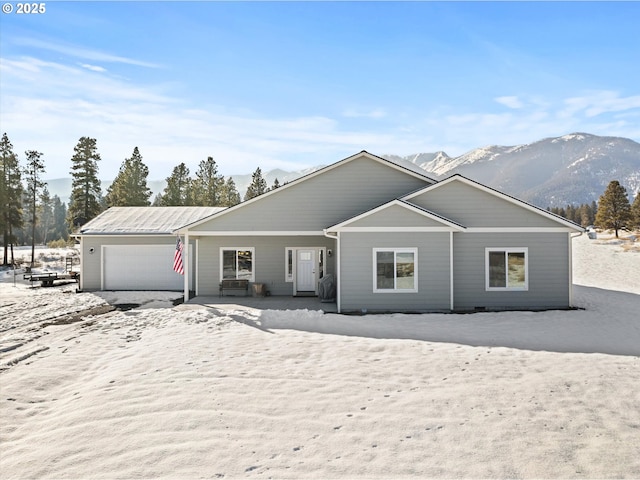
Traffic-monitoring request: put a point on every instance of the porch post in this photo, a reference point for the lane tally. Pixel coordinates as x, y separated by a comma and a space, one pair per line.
186, 265
338, 273
451, 269
570, 239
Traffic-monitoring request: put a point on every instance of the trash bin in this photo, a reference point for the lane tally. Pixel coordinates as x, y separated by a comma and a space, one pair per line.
259, 290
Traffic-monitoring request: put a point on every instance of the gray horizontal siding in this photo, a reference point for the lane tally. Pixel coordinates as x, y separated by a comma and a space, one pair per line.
356, 277
321, 201
473, 207
548, 271
269, 261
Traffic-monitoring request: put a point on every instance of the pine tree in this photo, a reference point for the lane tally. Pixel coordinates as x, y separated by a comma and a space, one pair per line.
586, 215
33, 172
85, 187
258, 185
208, 184
60, 230
130, 185
45, 212
276, 184
178, 189
635, 212
229, 196
614, 210
10, 196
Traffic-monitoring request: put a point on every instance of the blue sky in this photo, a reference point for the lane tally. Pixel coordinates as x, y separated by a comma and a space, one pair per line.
296, 84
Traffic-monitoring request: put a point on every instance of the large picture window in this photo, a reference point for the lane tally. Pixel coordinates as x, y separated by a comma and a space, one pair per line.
237, 263
395, 270
507, 269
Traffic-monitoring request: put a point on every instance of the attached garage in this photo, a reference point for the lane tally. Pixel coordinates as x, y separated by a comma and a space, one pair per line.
132, 248
141, 267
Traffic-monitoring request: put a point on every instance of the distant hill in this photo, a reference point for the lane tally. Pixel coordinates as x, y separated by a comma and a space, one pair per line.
574, 168
552, 172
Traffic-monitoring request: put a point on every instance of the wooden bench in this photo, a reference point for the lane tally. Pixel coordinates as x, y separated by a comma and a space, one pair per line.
234, 285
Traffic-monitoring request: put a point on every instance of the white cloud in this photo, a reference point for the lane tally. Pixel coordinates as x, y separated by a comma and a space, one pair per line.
511, 102
93, 68
373, 114
48, 106
81, 52
72, 101
596, 103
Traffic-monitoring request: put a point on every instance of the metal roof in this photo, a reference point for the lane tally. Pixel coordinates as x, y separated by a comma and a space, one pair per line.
145, 220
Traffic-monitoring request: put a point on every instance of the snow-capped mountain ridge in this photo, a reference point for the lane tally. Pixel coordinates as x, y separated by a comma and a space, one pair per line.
556, 171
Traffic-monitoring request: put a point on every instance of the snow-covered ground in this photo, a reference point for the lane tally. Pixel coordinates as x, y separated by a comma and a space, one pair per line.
189, 391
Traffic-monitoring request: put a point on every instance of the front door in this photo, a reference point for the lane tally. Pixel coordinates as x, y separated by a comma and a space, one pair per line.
305, 271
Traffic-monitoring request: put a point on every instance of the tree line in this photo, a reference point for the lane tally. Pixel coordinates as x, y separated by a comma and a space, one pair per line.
612, 211
30, 214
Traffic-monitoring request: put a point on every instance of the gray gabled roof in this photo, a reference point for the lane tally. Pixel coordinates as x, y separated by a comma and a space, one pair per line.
496, 193
401, 165
145, 220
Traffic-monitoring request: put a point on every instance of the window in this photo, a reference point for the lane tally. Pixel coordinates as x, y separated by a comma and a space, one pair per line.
289, 265
395, 270
237, 263
507, 269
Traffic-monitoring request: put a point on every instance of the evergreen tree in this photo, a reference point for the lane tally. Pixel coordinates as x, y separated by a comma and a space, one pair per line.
10, 197
130, 185
635, 212
208, 185
157, 201
33, 172
614, 210
586, 215
229, 196
570, 213
258, 185
85, 187
276, 184
60, 230
178, 189
45, 212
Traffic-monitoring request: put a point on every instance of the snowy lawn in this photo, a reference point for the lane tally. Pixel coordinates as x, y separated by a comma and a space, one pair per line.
195, 392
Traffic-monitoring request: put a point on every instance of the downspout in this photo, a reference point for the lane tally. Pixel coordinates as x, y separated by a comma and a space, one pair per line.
336, 237
571, 237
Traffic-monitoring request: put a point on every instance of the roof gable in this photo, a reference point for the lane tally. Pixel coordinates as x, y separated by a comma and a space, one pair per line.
319, 199
397, 214
476, 205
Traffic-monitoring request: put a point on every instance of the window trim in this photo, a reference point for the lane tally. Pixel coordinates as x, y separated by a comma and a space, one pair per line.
239, 249
289, 252
395, 251
506, 251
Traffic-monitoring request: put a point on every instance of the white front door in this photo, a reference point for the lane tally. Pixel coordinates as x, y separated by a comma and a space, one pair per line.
305, 270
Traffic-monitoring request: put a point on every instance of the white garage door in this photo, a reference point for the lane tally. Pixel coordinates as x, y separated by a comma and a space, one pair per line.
141, 267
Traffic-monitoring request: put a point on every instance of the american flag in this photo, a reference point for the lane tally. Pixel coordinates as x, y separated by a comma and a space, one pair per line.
177, 258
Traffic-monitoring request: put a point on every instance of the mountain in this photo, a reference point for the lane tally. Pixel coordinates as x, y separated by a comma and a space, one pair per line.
552, 172
556, 171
